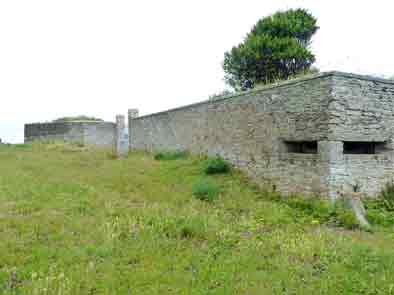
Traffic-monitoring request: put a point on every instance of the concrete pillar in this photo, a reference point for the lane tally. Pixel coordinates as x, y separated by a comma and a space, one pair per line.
121, 140
331, 151
120, 121
132, 113
334, 174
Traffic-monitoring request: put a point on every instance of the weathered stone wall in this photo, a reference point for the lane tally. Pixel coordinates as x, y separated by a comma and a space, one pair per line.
101, 134
66, 131
249, 130
362, 109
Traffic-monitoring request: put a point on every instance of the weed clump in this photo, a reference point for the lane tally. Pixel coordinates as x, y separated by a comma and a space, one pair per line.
387, 196
323, 212
380, 211
170, 155
378, 215
216, 165
205, 190
344, 217
173, 227
313, 207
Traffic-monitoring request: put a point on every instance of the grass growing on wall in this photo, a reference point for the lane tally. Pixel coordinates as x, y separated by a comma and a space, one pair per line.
74, 221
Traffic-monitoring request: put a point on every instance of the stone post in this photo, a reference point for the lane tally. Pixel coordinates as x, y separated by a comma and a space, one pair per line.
121, 138
133, 113
334, 172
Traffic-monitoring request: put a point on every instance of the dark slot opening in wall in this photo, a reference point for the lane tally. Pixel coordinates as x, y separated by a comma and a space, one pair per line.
301, 147
362, 147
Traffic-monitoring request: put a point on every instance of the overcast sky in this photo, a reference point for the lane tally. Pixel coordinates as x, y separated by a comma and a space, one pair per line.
99, 58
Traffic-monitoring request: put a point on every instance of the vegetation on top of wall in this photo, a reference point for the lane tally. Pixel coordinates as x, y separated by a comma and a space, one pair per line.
277, 48
104, 226
78, 118
221, 95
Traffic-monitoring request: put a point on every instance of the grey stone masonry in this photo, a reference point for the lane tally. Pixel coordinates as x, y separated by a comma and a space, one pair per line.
122, 137
323, 134
101, 134
132, 114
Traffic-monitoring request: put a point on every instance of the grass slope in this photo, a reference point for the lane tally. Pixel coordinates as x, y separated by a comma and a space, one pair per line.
73, 221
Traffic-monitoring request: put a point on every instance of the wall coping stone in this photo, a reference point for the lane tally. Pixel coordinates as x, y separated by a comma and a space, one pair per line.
274, 86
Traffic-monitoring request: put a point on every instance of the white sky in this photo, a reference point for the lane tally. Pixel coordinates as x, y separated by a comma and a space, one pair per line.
99, 58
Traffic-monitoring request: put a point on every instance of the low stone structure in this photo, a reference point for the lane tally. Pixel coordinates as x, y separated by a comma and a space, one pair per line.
97, 133
324, 134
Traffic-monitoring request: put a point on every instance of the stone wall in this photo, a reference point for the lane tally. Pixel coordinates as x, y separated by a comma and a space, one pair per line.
100, 134
252, 131
362, 109
54, 131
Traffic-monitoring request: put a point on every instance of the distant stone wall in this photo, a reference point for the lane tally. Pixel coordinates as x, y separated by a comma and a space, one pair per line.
100, 134
253, 131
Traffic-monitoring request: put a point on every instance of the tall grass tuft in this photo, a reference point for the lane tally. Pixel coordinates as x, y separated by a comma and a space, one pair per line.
205, 190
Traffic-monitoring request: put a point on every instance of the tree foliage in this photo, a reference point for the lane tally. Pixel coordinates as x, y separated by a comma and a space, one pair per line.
276, 48
297, 24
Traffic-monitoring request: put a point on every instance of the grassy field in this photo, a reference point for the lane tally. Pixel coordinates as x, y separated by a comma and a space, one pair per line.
74, 221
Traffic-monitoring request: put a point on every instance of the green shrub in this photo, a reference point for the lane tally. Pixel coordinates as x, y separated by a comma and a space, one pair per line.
387, 196
380, 217
170, 155
205, 190
346, 219
216, 165
341, 215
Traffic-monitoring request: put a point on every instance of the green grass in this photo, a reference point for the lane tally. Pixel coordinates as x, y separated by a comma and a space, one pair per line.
205, 190
170, 155
77, 221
